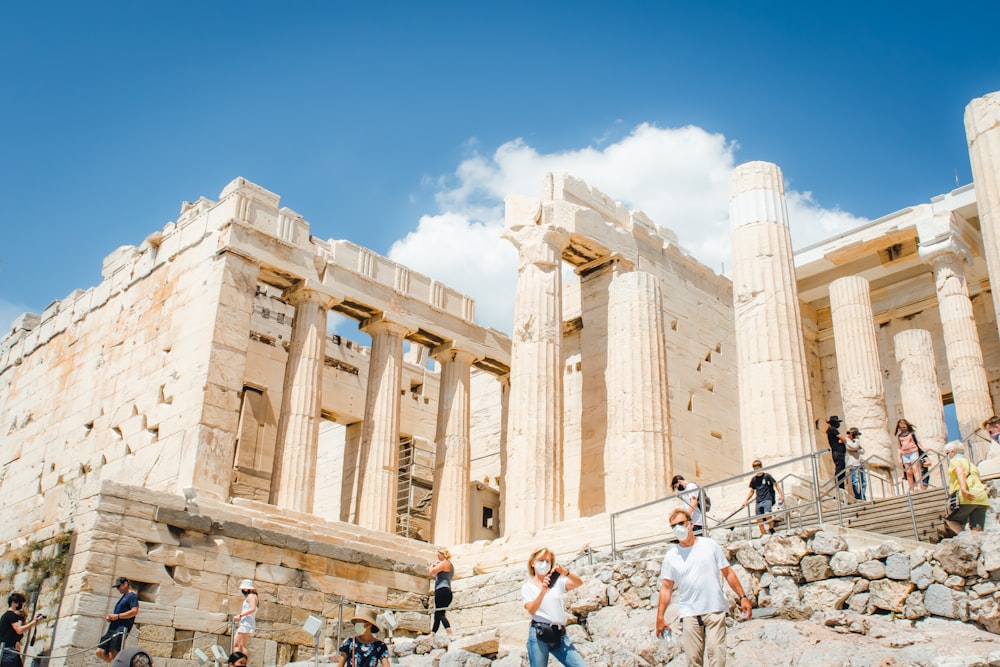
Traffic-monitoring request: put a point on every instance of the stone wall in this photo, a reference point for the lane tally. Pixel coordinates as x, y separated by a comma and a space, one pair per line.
186, 561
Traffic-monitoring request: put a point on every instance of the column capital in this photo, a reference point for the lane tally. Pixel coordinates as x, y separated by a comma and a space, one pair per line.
945, 234
304, 292
541, 245
448, 352
378, 324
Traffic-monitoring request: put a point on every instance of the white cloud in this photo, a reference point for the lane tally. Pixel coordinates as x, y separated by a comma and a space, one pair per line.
678, 176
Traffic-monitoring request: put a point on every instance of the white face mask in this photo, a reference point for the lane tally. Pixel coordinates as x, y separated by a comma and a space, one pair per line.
680, 532
542, 567
359, 628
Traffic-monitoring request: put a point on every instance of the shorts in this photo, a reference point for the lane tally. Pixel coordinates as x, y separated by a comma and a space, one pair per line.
113, 640
974, 515
764, 506
911, 457
246, 628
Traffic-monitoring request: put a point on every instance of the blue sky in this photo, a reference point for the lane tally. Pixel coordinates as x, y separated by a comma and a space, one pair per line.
400, 125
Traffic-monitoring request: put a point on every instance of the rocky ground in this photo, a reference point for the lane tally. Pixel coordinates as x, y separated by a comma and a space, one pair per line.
831, 606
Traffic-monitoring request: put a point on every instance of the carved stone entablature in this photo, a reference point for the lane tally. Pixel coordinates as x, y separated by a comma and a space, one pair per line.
945, 233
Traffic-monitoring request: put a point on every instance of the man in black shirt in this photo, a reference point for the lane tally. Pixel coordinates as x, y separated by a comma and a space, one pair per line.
765, 487
837, 449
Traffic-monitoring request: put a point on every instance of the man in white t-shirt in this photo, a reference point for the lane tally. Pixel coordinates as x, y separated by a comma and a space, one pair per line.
693, 568
691, 497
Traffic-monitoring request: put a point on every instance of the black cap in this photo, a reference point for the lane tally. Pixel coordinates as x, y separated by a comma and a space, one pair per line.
119, 581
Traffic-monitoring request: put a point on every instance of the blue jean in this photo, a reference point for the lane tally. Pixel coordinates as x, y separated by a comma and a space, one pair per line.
859, 482
564, 652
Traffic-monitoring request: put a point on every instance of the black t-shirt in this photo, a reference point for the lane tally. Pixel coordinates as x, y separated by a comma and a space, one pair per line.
763, 484
7, 634
833, 437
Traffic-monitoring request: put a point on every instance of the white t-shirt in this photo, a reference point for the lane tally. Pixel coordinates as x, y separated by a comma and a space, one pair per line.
695, 571
551, 610
691, 493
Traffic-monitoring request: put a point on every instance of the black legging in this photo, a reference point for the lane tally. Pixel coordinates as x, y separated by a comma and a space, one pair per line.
442, 598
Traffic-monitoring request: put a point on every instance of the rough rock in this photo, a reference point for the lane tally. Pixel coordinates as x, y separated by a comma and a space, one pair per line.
825, 542
784, 550
897, 566
844, 563
829, 594
943, 601
871, 569
959, 555
816, 567
888, 594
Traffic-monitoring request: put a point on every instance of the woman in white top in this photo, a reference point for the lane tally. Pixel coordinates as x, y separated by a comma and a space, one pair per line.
247, 618
543, 598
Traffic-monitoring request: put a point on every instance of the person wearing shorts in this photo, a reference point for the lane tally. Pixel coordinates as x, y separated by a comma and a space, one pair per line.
120, 621
765, 486
965, 487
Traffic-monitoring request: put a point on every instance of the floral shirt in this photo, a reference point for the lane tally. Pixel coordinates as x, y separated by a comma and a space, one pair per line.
360, 654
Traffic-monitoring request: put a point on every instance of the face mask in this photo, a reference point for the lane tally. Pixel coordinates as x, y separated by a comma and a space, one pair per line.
680, 532
359, 628
542, 567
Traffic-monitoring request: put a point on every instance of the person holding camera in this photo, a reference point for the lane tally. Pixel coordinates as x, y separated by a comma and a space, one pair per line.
11, 629
543, 598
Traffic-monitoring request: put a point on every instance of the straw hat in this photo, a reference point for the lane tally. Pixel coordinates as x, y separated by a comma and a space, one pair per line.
367, 615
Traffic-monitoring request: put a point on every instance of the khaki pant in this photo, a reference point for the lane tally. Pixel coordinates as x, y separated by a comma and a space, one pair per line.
705, 643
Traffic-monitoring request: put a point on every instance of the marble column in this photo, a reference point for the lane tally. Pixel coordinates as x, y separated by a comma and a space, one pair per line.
380, 433
918, 387
969, 387
776, 420
637, 453
861, 389
450, 504
982, 130
532, 489
293, 480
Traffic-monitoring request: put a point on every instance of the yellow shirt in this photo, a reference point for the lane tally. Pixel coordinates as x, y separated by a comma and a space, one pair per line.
979, 494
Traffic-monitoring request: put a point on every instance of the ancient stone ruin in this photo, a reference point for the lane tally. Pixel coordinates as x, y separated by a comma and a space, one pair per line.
189, 421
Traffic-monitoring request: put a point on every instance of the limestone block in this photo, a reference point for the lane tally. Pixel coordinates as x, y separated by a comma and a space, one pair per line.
607, 622
156, 639
110, 543
781, 592
959, 555
177, 596
943, 601
829, 594
816, 567
483, 643
955, 581
155, 614
914, 607
897, 566
888, 594
587, 598
202, 580
985, 611
922, 575
858, 603
276, 574
300, 599
199, 620
784, 550
236, 568
990, 552
750, 558
844, 563
871, 569
825, 542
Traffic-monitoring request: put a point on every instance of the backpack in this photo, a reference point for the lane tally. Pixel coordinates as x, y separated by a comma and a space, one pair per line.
704, 502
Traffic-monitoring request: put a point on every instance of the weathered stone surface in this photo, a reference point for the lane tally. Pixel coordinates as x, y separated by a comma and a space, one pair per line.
943, 601
897, 566
844, 563
959, 555
784, 550
914, 607
750, 558
922, 575
826, 595
782, 591
591, 596
825, 542
871, 569
482, 643
815, 568
888, 594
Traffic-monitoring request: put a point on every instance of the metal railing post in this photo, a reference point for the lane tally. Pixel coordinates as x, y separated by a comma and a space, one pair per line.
816, 492
614, 551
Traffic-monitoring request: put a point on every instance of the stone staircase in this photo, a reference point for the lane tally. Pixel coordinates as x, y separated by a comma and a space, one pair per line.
885, 516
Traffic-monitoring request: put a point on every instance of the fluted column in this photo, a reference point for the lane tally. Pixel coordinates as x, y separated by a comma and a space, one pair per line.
861, 389
969, 386
532, 491
776, 420
982, 130
637, 459
380, 434
293, 481
918, 386
450, 504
